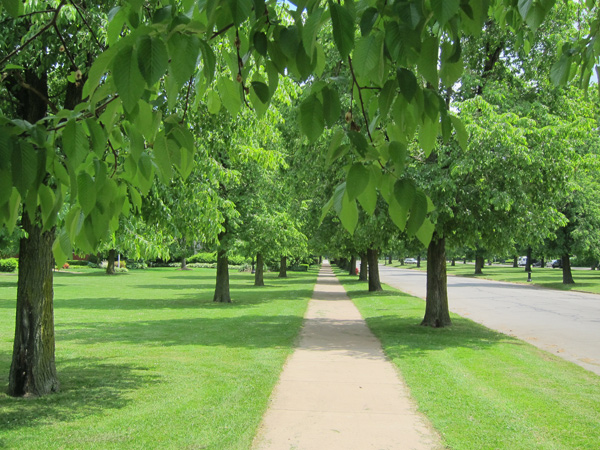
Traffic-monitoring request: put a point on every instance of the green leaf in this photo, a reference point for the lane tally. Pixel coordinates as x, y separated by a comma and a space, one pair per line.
61, 248
261, 90
326, 208
86, 192
398, 152
368, 53
427, 135
349, 214
444, 10
461, 132
331, 106
425, 233
128, 79
97, 136
214, 102
260, 43
74, 143
359, 142
450, 72
428, 61
368, 19
368, 197
356, 180
407, 83
152, 58
240, 10
209, 61
311, 118
13, 7
400, 202
418, 211
386, 97
560, 71
343, 28
311, 30
47, 199
230, 93
24, 167
136, 198
183, 50
162, 158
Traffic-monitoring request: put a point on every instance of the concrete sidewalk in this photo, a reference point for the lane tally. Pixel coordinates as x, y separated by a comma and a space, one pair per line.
338, 391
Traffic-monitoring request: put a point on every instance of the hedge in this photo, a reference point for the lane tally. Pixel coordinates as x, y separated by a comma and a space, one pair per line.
8, 265
211, 258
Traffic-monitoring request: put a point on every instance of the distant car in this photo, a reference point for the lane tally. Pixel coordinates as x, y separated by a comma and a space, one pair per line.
410, 261
522, 261
556, 263
537, 264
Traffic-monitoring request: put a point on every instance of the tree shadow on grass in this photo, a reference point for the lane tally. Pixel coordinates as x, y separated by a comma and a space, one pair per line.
88, 386
242, 297
235, 332
403, 336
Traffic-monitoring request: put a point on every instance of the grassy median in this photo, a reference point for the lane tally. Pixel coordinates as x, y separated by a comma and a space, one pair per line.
147, 360
482, 389
586, 280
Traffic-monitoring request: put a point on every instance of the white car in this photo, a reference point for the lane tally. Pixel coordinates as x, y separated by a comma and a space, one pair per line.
410, 261
522, 261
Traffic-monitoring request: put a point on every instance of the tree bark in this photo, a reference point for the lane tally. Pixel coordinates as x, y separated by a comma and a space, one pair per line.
516, 262
390, 260
566, 268
453, 262
258, 273
352, 266
374, 283
437, 314
33, 368
283, 267
110, 264
528, 263
363, 274
184, 263
418, 261
222, 286
479, 261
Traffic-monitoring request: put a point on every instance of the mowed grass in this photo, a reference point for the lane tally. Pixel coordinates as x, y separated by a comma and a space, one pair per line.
147, 360
586, 280
482, 389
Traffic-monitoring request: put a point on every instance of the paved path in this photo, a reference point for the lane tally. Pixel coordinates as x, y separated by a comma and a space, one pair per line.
564, 323
338, 391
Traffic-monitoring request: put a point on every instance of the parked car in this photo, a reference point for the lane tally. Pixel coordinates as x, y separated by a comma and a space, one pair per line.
522, 261
556, 263
410, 261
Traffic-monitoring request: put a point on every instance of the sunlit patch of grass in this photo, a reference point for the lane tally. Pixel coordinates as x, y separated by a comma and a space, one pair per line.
147, 360
482, 389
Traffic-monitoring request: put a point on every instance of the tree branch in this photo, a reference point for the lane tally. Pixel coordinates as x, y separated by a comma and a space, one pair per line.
36, 35
100, 46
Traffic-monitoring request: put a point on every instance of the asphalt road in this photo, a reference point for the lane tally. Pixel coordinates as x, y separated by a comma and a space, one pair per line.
564, 323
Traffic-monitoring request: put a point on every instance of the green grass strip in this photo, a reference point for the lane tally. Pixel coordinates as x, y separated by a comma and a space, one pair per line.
482, 389
586, 280
147, 360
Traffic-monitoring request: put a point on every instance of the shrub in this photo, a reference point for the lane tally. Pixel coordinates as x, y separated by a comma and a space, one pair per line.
203, 258
9, 265
77, 262
299, 268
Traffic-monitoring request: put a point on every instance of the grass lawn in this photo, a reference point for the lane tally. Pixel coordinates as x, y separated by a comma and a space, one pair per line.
585, 280
482, 389
147, 360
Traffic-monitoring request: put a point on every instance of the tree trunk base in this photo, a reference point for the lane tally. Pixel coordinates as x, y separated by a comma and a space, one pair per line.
437, 314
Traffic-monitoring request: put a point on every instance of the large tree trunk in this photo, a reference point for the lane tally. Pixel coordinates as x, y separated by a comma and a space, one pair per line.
222, 286
528, 263
374, 283
479, 262
453, 262
110, 266
418, 261
390, 259
184, 263
515, 262
33, 369
258, 273
566, 268
437, 314
364, 265
283, 267
352, 266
